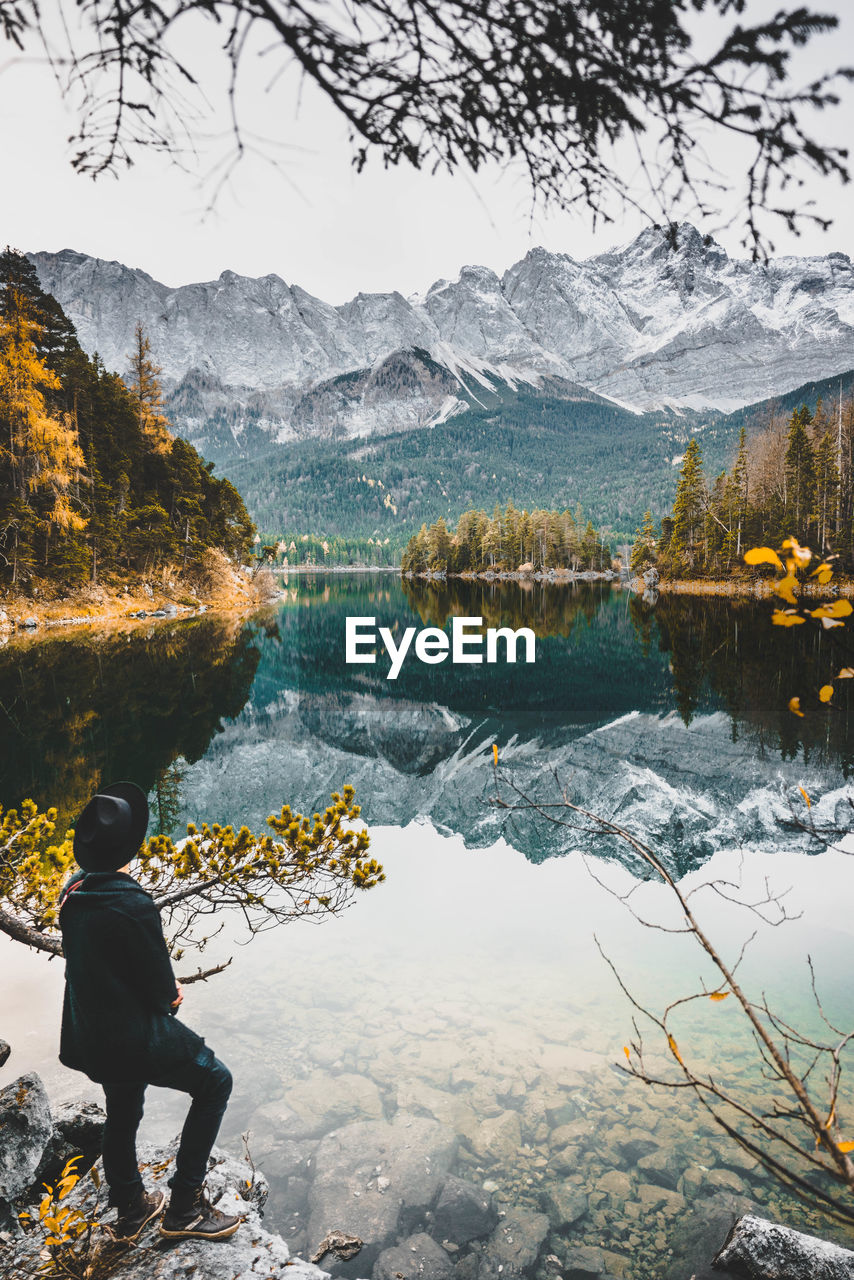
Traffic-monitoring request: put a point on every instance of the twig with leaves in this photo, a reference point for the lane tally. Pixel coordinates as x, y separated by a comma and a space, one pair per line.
307, 868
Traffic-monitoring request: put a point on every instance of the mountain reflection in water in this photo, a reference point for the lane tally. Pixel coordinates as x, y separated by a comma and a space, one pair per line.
674, 721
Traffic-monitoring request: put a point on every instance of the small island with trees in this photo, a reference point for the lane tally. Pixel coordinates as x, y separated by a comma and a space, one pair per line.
509, 543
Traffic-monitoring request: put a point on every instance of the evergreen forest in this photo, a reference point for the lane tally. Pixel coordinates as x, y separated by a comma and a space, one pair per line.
794, 478
93, 484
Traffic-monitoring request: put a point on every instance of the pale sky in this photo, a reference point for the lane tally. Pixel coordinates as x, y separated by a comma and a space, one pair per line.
312, 219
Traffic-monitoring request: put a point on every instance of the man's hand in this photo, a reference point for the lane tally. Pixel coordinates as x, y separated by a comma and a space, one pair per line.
180, 996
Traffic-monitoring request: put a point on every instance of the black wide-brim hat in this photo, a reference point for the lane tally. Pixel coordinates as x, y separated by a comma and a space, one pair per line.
111, 828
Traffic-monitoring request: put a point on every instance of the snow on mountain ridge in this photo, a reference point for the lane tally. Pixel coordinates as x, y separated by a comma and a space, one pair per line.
647, 324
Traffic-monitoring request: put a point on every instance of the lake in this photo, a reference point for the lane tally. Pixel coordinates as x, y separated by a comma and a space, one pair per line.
470, 988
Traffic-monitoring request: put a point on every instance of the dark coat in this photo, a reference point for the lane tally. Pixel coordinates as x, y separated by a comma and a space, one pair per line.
117, 1020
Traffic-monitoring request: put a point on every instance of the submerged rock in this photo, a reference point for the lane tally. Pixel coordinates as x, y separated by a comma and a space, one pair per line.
497, 1140
325, 1102
374, 1178
584, 1262
416, 1258
564, 1205
514, 1246
698, 1235
463, 1212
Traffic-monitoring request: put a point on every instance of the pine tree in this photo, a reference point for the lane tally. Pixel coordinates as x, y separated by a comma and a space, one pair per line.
56, 342
826, 487
739, 494
686, 551
799, 493
643, 548
438, 545
144, 386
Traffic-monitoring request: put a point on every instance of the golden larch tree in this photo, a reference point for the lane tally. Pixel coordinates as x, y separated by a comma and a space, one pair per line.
144, 385
40, 451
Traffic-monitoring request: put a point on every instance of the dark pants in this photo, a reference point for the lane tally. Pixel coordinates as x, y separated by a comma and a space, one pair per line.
208, 1082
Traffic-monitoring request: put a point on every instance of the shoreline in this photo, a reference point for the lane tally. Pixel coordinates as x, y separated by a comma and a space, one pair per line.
286, 570
558, 576
761, 590
110, 607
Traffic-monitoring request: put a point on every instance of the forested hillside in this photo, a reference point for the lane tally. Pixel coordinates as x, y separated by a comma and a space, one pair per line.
93, 483
539, 452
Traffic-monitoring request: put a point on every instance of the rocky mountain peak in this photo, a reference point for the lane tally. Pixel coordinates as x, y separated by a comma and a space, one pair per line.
650, 323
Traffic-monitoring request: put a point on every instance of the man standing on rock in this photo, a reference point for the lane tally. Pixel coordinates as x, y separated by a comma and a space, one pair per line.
118, 1023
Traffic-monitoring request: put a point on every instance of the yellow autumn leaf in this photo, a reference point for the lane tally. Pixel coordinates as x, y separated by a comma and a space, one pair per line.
786, 588
626, 1050
847, 673
786, 618
762, 555
675, 1050
495, 753
806, 797
795, 707
801, 555
718, 995
837, 609
846, 1146
825, 693
824, 573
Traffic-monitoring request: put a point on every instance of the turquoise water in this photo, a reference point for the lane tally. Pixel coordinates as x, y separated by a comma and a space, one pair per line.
470, 987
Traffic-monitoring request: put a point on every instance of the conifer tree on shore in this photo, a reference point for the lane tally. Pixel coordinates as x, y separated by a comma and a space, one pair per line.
792, 479
92, 482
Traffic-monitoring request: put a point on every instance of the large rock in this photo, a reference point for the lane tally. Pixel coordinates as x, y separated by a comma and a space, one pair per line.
416, 1258
78, 1128
498, 1139
463, 1212
697, 1236
252, 1253
325, 1102
767, 1251
663, 1167
286, 1159
26, 1129
584, 1262
374, 1178
81, 1125
514, 1246
5, 1050
563, 1204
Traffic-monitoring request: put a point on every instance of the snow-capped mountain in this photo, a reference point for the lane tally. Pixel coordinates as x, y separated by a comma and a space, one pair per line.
647, 325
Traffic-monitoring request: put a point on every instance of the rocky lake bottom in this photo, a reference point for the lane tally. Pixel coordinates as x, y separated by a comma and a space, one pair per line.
458, 1024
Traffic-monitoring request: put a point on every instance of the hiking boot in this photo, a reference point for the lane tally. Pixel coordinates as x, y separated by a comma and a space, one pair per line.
136, 1215
191, 1215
